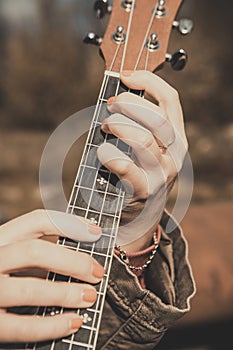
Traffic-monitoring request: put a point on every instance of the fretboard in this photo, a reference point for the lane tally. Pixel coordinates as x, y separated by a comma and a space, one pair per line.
99, 196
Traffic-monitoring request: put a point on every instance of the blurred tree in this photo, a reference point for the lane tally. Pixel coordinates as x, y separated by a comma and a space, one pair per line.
43, 71
47, 13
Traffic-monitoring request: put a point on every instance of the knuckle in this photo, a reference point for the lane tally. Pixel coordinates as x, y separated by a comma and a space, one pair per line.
23, 331
70, 295
26, 291
38, 213
112, 120
63, 297
86, 265
146, 141
40, 216
33, 248
4, 286
66, 296
123, 97
124, 168
186, 146
173, 94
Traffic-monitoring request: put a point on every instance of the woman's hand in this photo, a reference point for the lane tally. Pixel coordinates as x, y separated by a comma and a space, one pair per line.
20, 248
155, 132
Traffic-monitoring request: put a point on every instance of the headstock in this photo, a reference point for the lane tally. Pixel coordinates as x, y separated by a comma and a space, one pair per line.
138, 33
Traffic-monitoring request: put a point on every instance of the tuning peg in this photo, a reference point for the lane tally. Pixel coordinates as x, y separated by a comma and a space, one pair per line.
119, 35
178, 60
92, 38
102, 8
184, 25
161, 9
127, 5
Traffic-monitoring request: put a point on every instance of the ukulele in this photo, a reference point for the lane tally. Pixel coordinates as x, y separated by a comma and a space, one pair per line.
136, 39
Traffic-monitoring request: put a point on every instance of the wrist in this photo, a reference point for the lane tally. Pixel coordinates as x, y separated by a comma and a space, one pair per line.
139, 260
141, 243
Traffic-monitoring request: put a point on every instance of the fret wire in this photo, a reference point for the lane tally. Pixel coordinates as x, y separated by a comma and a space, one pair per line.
77, 343
97, 190
92, 145
98, 254
107, 256
97, 123
93, 310
89, 328
96, 212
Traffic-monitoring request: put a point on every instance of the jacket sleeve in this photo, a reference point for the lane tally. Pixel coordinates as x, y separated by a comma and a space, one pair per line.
136, 318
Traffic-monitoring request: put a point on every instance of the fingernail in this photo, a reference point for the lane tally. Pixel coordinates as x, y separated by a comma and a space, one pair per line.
111, 100
94, 230
76, 323
127, 73
98, 270
89, 295
104, 127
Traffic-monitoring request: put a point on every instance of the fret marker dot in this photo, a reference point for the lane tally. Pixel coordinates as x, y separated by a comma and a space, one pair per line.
102, 181
94, 221
53, 311
86, 318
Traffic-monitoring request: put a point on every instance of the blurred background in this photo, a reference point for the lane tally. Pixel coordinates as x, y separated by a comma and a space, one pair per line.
47, 74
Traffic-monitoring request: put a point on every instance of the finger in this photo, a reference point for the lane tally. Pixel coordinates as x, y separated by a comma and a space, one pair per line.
14, 328
140, 139
137, 108
48, 222
32, 291
51, 257
160, 90
133, 178
145, 113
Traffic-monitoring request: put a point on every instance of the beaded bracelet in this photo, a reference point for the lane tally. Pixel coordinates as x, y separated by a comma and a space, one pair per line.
124, 256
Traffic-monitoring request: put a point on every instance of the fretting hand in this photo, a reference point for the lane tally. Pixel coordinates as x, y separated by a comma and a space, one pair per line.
157, 137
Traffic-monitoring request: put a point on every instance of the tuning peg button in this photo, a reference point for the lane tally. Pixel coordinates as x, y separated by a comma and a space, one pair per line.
152, 43
178, 60
161, 9
184, 25
127, 5
92, 38
102, 8
119, 35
